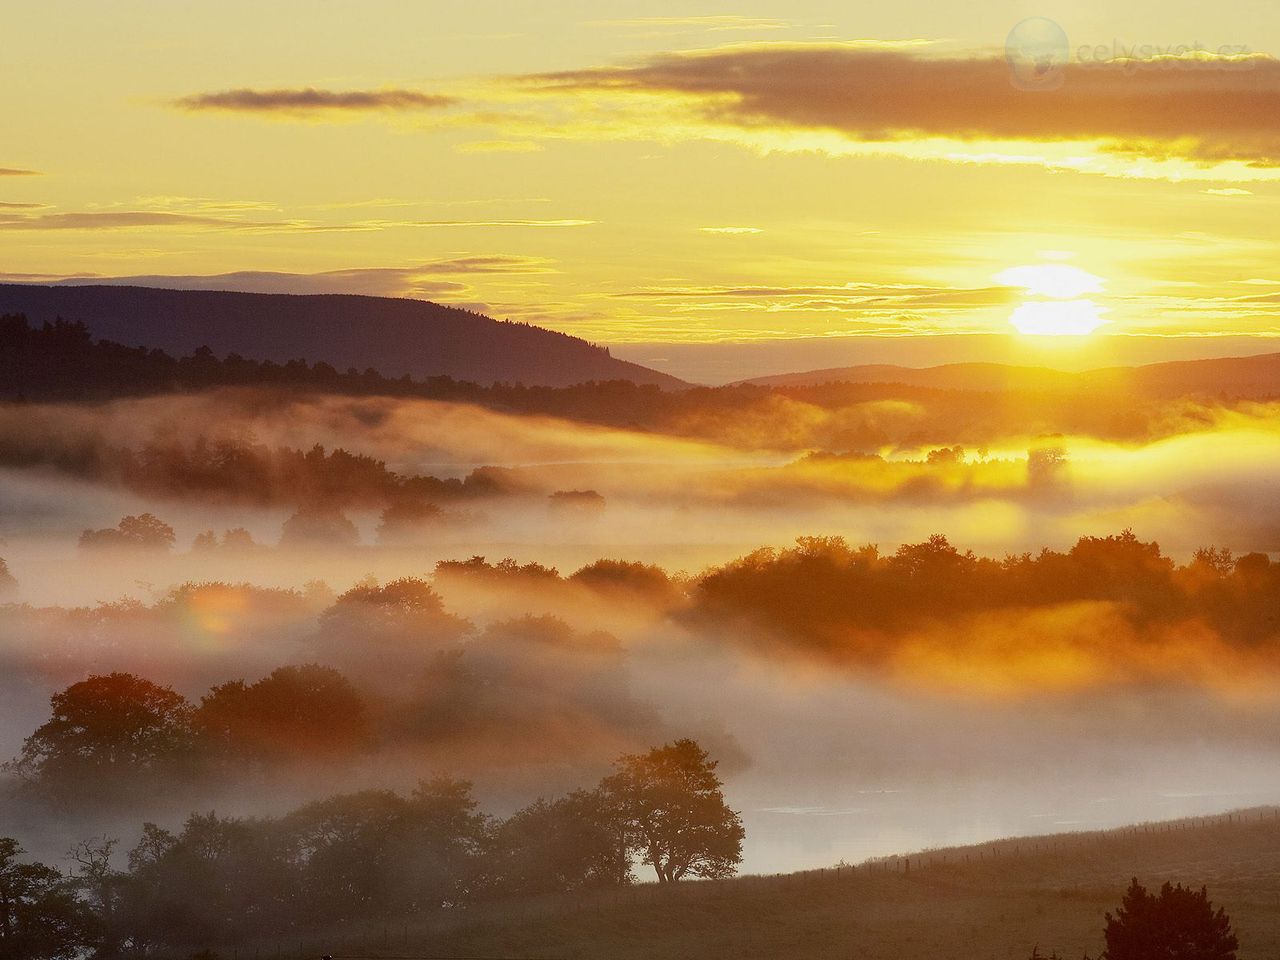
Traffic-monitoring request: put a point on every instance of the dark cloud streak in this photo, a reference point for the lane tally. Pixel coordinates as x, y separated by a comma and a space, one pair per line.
1204, 109
309, 100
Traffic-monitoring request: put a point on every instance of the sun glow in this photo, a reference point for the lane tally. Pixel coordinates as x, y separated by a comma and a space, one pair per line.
1060, 318
1059, 308
1057, 280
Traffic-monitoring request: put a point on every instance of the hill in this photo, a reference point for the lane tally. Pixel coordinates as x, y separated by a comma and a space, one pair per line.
1256, 376
393, 336
949, 376
999, 899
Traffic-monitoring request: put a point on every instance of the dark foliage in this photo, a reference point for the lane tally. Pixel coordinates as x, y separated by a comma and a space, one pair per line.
1178, 923
41, 917
811, 595
673, 813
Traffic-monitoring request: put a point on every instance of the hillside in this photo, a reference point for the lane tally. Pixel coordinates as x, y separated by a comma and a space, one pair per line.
950, 376
998, 899
394, 337
1256, 376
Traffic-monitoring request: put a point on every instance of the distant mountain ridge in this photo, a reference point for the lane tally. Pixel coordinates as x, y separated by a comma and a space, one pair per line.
393, 336
1255, 376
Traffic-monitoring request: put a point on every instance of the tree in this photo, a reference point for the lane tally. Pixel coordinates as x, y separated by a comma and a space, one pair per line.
673, 812
219, 878
40, 917
376, 853
1046, 467
1177, 924
144, 531
8, 583
306, 713
107, 732
319, 526
102, 885
573, 843
407, 520
580, 502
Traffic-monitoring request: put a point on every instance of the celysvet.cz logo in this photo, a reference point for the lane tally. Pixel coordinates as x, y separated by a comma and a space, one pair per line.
1039, 53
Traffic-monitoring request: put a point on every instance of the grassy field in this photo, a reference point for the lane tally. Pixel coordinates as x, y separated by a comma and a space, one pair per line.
995, 901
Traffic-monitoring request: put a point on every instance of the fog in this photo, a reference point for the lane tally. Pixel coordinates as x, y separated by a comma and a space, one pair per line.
840, 738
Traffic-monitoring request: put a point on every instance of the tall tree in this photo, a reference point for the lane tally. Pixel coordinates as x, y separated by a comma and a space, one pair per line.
102, 886
673, 812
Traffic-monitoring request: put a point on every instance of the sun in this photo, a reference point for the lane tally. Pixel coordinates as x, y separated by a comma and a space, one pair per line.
1055, 304
1058, 280
1058, 318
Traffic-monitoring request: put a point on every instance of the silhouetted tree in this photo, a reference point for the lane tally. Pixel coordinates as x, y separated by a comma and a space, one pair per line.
40, 916
577, 502
103, 887
295, 713
8, 583
319, 525
1176, 924
674, 813
374, 632
1046, 467
620, 576
572, 843
376, 853
217, 878
107, 733
407, 520
142, 532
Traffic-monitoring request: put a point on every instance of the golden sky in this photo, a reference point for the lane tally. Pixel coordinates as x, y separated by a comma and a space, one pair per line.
659, 172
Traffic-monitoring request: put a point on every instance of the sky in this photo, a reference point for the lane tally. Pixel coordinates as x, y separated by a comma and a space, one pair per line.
651, 174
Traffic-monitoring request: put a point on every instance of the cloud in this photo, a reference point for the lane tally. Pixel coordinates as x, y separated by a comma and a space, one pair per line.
23, 206
122, 220
133, 219
309, 101
17, 172
849, 295
1180, 114
731, 230
1228, 192
419, 280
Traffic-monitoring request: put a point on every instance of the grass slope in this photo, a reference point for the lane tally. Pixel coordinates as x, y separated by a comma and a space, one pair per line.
995, 901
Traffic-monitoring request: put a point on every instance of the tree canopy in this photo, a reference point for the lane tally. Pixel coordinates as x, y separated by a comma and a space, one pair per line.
671, 807
1178, 923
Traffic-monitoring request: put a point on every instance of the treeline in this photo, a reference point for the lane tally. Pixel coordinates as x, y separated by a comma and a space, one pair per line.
827, 597
235, 467
372, 854
396, 677
61, 361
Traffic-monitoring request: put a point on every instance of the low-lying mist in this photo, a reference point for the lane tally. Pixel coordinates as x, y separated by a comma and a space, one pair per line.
864, 696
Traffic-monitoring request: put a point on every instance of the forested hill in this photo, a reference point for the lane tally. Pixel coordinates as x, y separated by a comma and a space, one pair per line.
393, 336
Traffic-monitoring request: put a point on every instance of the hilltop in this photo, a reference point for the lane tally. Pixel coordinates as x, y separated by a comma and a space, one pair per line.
393, 336
998, 899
